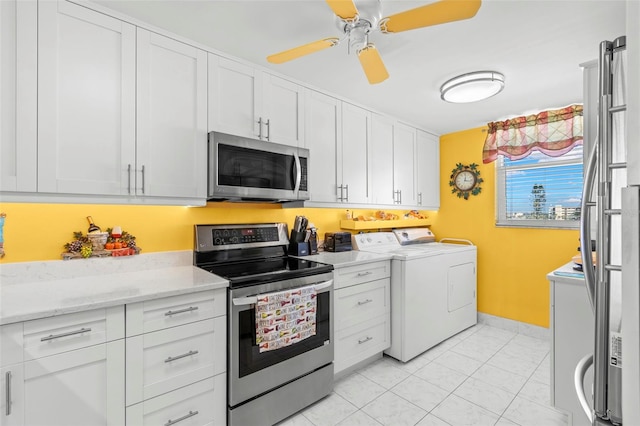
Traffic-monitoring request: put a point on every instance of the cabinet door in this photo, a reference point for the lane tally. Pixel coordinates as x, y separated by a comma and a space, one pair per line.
404, 157
354, 162
81, 387
322, 134
428, 170
282, 111
382, 190
233, 102
172, 118
86, 100
18, 95
11, 395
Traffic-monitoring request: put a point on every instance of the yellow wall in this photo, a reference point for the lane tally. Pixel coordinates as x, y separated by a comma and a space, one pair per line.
512, 262
39, 231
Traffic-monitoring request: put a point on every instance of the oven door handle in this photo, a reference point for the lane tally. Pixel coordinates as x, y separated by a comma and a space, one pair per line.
252, 300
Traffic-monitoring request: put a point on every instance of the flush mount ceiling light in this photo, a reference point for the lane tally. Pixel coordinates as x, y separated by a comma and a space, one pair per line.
472, 87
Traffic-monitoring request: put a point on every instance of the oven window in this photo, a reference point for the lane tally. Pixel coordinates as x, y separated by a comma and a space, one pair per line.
253, 168
251, 360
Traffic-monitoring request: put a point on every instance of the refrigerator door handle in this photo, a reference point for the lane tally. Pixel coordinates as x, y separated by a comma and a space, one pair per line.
585, 225
578, 383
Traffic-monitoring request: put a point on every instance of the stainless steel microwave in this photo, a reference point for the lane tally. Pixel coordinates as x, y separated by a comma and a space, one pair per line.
243, 169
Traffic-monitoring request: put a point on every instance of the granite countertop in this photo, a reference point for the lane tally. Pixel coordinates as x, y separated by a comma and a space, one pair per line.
347, 258
33, 290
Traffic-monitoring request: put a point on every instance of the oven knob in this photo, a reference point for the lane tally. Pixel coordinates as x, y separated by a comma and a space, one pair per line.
369, 239
216, 234
217, 242
226, 233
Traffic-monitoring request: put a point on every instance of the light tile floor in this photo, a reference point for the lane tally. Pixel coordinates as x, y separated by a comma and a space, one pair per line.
481, 376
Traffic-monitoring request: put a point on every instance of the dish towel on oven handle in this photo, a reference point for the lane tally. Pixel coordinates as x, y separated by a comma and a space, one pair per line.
285, 317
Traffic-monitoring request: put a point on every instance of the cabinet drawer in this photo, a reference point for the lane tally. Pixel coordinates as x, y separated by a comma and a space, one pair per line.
158, 314
358, 274
165, 360
11, 344
360, 303
360, 342
199, 404
49, 336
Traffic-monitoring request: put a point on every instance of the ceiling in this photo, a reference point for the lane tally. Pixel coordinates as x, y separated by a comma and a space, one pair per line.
537, 44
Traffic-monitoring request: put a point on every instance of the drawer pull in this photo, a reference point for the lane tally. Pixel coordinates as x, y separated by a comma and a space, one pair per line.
173, 358
71, 333
185, 417
365, 340
364, 302
364, 274
7, 384
181, 311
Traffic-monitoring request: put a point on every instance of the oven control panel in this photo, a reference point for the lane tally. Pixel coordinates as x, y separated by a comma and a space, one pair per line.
224, 237
231, 237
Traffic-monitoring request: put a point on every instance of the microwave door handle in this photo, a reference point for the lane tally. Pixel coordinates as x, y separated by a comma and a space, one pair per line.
297, 172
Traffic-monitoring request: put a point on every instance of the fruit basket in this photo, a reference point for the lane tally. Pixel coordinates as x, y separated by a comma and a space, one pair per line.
100, 244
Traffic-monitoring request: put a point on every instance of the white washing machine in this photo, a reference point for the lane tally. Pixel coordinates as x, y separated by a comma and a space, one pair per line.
433, 288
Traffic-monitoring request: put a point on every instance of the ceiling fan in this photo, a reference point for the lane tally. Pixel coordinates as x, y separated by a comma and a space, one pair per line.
357, 24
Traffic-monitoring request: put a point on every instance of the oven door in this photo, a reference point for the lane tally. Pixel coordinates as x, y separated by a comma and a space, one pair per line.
252, 373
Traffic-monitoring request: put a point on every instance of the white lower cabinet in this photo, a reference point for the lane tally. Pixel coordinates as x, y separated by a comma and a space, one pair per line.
81, 369
81, 387
202, 403
362, 308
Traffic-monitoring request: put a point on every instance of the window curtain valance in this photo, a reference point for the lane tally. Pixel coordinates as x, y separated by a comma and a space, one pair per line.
552, 132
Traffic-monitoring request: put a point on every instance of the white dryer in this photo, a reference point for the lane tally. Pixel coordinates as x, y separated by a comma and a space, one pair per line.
433, 288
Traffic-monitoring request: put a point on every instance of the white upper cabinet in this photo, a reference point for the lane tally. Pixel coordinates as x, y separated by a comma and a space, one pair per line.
119, 113
282, 111
233, 92
353, 160
172, 118
323, 122
404, 157
381, 147
428, 170
86, 101
244, 101
18, 95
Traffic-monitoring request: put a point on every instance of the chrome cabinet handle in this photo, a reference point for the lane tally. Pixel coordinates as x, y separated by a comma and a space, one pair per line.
364, 274
129, 179
260, 128
185, 417
419, 198
7, 384
268, 124
143, 179
181, 311
364, 302
340, 198
399, 196
174, 358
346, 187
365, 340
70, 333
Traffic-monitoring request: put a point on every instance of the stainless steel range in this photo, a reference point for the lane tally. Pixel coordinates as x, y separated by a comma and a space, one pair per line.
266, 386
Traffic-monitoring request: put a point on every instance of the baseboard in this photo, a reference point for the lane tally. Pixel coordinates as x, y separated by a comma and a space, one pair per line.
536, 331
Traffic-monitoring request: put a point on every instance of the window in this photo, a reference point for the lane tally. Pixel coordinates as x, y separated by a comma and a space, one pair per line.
539, 190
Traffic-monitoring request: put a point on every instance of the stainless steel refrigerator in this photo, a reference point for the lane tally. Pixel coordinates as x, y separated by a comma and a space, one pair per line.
612, 195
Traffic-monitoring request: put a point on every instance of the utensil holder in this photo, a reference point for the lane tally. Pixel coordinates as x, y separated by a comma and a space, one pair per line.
299, 249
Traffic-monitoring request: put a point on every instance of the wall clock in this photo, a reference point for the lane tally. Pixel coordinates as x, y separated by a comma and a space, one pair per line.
465, 180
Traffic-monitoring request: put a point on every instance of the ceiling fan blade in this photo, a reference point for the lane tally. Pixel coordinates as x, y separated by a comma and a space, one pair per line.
345, 9
305, 49
436, 13
372, 64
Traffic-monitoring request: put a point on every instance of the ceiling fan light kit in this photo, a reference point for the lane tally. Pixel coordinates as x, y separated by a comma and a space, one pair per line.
357, 24
472, 87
